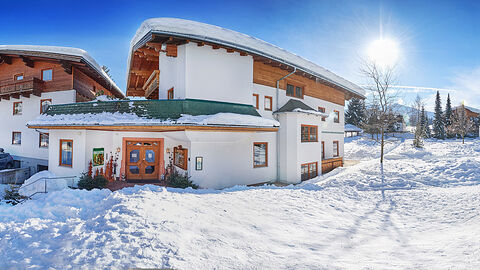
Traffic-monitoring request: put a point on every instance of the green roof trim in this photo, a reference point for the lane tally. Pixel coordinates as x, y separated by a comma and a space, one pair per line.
154, 109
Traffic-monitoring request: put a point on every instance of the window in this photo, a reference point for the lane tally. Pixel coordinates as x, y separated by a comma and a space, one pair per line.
336, 117
255, 101
199, 163
294, 91
309, 170
44, 103
323, 150
180, 156
17, 108
260, 154
43, 140
170, 93
335, 149
18, 77
322, 110
66, 153
16, 137
268, 103
309, 133
47, 75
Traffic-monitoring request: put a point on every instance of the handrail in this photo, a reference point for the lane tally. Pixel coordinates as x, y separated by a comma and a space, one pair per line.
46, 178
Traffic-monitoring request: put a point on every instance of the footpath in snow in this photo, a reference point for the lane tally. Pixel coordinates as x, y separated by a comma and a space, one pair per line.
423, 213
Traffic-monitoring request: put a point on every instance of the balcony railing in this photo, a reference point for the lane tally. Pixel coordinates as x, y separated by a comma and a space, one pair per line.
330, 164
23, 87
152, 83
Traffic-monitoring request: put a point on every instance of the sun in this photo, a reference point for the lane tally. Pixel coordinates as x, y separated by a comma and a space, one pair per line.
384, 52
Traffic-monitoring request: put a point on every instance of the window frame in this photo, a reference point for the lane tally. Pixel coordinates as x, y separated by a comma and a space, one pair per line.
60, 154
170, 94
322, 110
308, 169
338, 149
309, 132
18, 75
185, 155
257, 98
266, 155
337, 114
13, 137
295, 85
265, 103
15, 103
41, 75
41, 101
40, 140
323, 150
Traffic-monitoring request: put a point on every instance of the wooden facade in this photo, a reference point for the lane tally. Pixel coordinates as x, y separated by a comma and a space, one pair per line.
22, 75
268, 75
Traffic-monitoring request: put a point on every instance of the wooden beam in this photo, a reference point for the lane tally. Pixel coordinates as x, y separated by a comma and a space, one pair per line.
6, 59
200, 44
156, 46
15, 96
243, 54
28, 62
25, 94
6, 97
147, 51
215, 47
230, 51
67, 67
143, 73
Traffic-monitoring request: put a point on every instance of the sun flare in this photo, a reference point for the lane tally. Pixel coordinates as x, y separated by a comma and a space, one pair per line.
384, 52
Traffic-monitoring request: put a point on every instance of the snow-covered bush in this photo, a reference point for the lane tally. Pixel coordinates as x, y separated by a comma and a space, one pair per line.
12, 196
178, 180
88, 182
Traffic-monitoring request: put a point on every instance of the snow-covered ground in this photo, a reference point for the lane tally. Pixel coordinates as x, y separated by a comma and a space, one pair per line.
425, 215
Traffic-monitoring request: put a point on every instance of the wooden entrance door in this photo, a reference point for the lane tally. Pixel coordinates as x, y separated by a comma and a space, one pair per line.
143, 160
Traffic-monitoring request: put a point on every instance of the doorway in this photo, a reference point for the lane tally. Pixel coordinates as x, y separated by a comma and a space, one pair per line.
143, 159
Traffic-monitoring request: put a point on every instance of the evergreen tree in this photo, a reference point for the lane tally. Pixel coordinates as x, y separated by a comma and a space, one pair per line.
427, 133
448, 117
438, 121
355, 114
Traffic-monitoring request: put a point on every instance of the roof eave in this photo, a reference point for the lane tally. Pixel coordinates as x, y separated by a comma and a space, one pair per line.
149, 35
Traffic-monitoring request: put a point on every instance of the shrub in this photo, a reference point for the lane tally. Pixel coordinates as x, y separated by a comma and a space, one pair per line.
12, 196
177, 180
88, 182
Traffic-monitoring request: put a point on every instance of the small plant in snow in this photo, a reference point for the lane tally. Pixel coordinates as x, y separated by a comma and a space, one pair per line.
178, 180
88, 182
12, 196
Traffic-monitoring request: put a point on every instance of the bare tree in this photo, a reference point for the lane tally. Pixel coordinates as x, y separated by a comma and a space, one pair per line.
419, 129
383, 96
461, 123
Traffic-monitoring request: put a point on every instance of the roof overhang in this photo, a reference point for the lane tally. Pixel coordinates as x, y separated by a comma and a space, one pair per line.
66, 60
165, 36
157, 128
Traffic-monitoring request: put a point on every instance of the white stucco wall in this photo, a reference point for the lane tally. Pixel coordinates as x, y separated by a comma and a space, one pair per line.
172, 74
227, 156
29, 151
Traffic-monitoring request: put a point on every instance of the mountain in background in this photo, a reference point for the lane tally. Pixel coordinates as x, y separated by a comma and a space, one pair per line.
406, 111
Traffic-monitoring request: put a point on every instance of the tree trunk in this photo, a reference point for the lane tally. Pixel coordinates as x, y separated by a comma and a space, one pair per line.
381, 148
463, 139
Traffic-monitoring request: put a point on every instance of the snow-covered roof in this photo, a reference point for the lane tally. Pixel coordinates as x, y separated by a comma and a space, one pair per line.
59, 53
131, 119
475, 110
214, 34
350, 127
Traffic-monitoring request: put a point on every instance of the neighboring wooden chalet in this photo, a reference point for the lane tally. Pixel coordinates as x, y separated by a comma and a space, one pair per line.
290, 127
34, 77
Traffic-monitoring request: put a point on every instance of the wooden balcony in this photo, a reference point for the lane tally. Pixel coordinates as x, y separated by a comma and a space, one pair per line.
25, 88
151, 85
330, 164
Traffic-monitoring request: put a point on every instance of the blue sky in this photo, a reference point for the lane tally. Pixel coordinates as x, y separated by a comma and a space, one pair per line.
439, 41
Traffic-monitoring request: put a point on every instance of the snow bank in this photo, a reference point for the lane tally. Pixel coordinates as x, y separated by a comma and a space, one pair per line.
50, 182
107, 118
